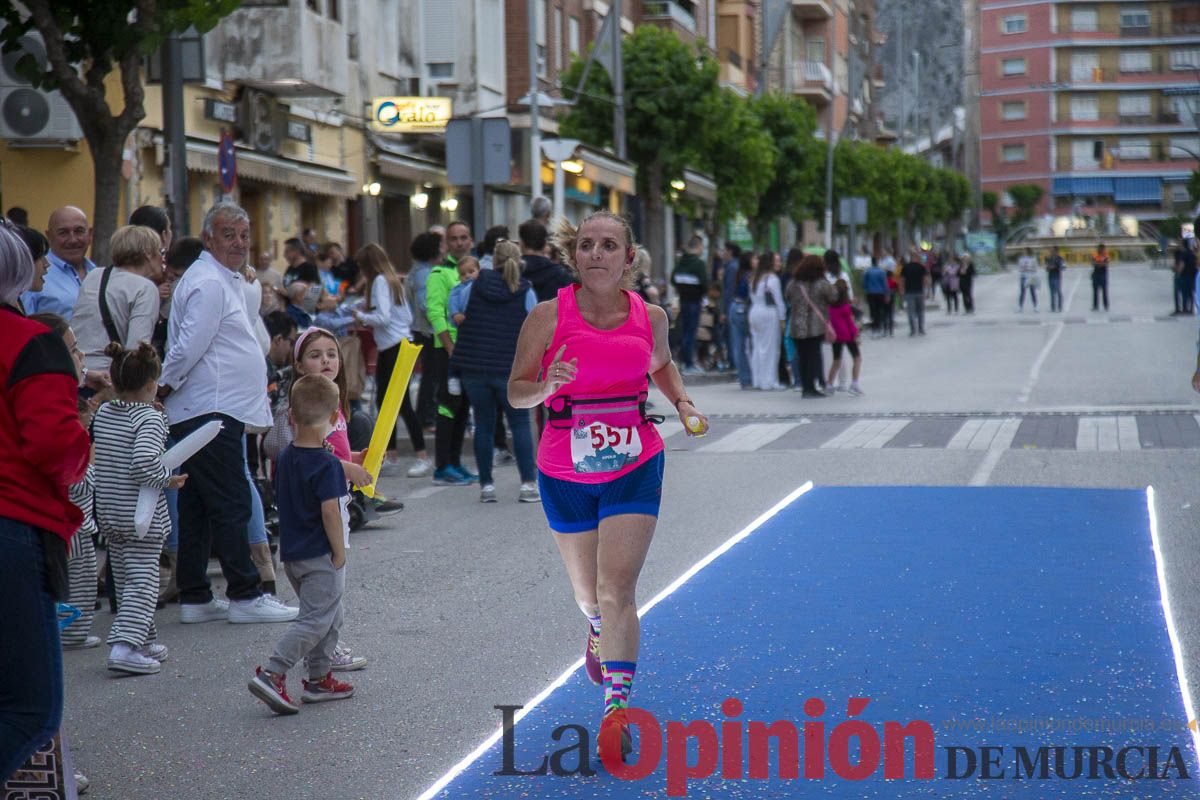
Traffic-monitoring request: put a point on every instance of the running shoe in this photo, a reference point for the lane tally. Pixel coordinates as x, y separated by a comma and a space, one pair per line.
503, 458
272, 690
487, 493
448, 476
615, 741
463, 472
591, 658
529, 493
383, 506
328, 688
420, 468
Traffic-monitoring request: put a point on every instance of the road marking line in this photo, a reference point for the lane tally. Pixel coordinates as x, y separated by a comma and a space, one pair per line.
1128, 437
868, 433
1098, 434
888, 432
1001, 443
965, 434
1036, 369
487, 743
749, 438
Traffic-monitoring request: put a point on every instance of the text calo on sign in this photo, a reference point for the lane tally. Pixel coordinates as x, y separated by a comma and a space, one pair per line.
410, 114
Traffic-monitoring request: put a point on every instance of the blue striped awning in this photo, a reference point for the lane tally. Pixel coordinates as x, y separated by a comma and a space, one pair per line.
1138, 190
1082, 186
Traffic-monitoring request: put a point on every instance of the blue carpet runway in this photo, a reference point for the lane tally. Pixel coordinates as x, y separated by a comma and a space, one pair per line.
1015, 619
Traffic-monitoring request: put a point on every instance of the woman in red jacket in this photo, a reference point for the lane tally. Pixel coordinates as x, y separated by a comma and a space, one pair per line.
43, 449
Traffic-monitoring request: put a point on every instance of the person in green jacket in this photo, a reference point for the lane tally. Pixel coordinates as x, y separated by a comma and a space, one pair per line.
453, 407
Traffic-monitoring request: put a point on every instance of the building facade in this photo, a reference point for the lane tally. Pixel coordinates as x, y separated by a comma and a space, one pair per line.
1095, 102
826, 53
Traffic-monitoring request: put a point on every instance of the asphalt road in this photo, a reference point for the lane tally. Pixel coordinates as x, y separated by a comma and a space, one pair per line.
461, 606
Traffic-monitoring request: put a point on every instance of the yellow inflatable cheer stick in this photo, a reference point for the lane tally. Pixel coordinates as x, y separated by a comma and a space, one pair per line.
385, 423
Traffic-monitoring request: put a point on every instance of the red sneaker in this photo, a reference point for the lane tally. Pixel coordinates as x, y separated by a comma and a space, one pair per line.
591, 658
272, 690
615, 741
328, 688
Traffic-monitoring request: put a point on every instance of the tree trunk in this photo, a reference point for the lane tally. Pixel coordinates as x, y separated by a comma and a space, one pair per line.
106, 159
654, 234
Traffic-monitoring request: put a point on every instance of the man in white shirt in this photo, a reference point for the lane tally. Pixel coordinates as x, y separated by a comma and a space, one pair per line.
214, 369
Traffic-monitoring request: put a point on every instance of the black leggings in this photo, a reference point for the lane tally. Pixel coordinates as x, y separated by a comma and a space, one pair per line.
812, 367
851, 346
385, 363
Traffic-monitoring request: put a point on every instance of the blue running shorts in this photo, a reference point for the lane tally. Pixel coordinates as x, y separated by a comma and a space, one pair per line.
577, 507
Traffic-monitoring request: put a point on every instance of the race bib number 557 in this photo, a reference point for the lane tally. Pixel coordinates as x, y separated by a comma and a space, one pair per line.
602, 448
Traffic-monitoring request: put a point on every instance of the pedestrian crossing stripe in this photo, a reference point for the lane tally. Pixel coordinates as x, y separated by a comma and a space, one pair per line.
749, 438
1082, 432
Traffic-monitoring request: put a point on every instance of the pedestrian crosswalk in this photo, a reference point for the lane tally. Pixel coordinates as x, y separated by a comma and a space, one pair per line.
1107, 433
750, 437
867, 434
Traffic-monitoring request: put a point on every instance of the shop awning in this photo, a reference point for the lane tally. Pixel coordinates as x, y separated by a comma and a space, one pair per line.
1082, 186
700, 187
310, 178
606, 169
400, 165
1137, 190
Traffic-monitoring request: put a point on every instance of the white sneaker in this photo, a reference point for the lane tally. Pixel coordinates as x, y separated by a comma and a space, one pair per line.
154, 650
529, 493
487, 494
855, 391
213, 610
265, 608
420, 468
124, 658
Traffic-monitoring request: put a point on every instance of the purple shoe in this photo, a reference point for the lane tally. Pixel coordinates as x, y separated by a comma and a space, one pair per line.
591, 658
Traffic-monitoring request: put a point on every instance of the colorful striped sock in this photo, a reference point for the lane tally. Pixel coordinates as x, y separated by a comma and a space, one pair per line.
595, 623
618, 681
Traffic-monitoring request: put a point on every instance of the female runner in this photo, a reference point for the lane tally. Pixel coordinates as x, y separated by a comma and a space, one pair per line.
586, 355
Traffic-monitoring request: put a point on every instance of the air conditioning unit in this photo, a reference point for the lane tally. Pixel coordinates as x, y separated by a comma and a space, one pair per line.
28, 115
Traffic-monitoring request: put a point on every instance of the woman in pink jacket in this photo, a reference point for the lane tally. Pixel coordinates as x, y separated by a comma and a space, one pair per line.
841, 319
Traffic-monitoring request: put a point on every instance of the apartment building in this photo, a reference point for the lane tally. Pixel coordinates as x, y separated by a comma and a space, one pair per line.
826, 53
1096, 102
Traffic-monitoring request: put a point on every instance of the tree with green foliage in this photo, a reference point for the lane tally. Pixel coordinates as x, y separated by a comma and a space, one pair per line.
793, 190
85, 41
739, 154
669, 91
1025, 197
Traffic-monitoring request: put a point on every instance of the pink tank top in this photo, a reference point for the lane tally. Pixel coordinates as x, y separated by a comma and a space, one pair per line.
605, 436
339, 439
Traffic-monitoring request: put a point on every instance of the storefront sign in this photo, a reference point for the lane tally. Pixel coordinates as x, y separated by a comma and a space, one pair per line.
410, 114
221, 112
299, 131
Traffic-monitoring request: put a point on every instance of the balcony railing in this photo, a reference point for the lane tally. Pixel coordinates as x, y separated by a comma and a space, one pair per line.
812, 78
1154, 29
678, 11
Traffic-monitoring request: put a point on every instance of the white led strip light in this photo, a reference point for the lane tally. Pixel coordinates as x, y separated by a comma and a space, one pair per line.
1170, 617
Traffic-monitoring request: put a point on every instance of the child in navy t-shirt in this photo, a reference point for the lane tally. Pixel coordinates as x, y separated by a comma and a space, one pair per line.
314, 534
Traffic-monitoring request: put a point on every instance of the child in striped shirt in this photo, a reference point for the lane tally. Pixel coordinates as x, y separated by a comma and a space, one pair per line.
130, 435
